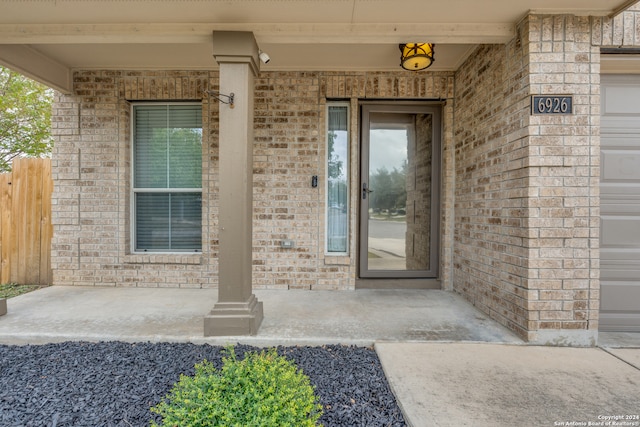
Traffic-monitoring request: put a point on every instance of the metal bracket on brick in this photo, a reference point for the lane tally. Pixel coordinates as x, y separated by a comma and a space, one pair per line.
225, 99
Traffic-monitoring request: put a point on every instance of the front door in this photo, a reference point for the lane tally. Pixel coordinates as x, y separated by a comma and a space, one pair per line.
399, 191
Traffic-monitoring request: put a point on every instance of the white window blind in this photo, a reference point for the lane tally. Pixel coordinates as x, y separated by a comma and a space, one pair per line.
167, 177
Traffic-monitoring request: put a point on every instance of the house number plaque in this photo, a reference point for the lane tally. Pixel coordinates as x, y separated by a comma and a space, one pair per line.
556, 104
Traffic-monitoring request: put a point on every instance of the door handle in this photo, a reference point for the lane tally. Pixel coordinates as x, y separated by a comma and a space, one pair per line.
365, 190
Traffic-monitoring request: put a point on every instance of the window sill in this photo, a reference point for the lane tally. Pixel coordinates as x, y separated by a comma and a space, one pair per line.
164, 258
337, 259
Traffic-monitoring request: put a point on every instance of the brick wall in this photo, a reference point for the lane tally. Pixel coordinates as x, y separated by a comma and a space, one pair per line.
419, 193
519, 204
620, 31
91, 168
490, 257
564, 167
527, 186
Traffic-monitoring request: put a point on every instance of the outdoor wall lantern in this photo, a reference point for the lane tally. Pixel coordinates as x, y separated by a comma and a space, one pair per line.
416, 56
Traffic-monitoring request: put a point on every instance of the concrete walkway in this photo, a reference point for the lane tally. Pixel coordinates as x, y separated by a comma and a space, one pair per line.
447, 364
505, 385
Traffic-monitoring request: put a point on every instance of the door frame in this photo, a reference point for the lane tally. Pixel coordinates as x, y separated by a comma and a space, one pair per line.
412, 107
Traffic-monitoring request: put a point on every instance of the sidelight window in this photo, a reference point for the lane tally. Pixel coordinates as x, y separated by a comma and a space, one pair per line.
337, 201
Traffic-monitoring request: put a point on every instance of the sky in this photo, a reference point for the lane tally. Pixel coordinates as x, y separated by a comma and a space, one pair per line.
388, 148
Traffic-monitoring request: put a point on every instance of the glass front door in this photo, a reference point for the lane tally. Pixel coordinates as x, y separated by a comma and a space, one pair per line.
398, 191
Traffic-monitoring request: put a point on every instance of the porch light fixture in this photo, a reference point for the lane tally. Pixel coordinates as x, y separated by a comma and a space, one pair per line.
416, 56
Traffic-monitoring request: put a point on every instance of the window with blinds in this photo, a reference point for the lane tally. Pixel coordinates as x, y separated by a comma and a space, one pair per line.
167, 177
337, 202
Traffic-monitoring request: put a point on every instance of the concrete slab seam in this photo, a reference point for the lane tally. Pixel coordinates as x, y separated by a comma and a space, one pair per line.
619, 358
407, 419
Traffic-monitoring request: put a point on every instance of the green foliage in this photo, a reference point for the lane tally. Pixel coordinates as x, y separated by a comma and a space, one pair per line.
263, 389
337, 181
172, 158
390, 189
10, 290
334, 163
25, 118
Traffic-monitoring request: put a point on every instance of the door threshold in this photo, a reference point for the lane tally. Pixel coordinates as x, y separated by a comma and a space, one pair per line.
398, 284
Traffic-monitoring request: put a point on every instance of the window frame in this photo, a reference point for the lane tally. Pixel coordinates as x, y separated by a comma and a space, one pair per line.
347, 174
133, 190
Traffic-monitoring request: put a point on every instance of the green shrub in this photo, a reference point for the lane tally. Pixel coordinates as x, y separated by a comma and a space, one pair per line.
263, 389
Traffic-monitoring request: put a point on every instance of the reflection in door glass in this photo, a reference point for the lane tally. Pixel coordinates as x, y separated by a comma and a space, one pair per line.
399, 182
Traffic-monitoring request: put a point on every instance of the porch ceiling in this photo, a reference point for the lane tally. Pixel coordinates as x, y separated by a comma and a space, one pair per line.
47, 39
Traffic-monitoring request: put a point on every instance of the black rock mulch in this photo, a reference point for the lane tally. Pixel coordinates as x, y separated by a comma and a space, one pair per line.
115, 384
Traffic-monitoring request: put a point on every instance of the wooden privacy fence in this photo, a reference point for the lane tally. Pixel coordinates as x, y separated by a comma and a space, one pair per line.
25, 223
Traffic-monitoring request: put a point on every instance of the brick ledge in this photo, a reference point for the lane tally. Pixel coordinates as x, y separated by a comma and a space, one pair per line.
192, 259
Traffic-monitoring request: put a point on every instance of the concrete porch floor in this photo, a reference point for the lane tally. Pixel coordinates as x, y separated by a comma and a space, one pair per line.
447, 363
362, 317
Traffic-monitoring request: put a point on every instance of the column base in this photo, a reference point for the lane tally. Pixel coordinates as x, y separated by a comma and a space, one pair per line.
3, 306
234, 318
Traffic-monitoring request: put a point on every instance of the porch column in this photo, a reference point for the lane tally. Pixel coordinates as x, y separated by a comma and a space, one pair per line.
237, 312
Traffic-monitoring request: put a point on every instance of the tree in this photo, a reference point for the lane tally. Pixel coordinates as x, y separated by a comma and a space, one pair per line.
337, 181
25, 118
390, 189
334, 163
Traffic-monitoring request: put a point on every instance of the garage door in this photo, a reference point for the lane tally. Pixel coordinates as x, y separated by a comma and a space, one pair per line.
620, 204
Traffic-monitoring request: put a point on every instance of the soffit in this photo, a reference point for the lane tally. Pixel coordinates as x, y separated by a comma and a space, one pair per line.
297, 34
291, 11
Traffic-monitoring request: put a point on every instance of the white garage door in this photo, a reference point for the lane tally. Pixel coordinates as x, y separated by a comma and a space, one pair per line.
620, 204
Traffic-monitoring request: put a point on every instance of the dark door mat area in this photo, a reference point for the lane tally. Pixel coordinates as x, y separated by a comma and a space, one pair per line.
115, 384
